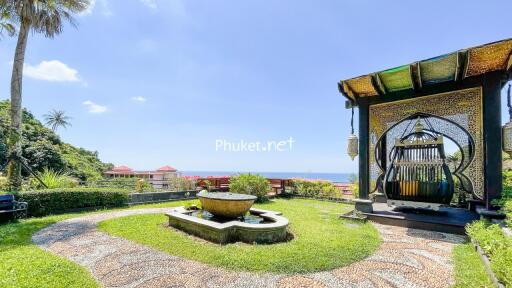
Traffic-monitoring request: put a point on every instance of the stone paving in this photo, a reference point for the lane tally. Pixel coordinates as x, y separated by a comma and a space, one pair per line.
406, 258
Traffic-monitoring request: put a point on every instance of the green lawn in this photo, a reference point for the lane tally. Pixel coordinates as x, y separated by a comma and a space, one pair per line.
22, 264
469, 269
322, 240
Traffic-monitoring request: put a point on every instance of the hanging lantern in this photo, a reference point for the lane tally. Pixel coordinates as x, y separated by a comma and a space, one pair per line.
353, 146
353, 142
507, 128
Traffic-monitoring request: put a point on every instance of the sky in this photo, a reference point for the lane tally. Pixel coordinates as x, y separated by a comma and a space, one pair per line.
173, 82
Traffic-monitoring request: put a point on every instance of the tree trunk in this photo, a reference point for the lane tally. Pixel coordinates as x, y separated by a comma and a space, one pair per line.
14, 141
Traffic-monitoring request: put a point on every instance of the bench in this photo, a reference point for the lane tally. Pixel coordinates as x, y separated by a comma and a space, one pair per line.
11, 209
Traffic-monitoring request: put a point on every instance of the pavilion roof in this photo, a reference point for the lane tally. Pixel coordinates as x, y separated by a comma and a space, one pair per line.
453, 66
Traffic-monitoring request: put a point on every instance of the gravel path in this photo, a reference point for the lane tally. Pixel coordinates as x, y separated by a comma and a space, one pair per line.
406, 258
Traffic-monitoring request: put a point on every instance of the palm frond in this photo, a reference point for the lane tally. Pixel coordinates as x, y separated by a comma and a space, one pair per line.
6, 20
46, 16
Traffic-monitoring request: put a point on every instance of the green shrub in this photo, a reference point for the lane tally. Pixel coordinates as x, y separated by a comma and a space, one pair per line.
53, 179
315, 188
497, 246
252, 184
143, 186
52, 201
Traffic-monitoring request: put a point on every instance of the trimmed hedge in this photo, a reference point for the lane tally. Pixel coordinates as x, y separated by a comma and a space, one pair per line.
315, 188
53, 201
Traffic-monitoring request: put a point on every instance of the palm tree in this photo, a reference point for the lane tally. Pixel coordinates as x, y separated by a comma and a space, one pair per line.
56, 119
40, 16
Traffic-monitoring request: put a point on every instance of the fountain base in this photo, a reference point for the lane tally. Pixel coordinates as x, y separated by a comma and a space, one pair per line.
271, 229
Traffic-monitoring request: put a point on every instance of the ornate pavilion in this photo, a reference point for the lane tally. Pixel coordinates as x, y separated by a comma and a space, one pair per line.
411, 115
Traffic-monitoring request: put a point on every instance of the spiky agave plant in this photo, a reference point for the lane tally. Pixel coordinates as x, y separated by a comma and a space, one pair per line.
54, 179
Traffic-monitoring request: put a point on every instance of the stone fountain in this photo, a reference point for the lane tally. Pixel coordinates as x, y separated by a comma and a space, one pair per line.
226, 205
227, 218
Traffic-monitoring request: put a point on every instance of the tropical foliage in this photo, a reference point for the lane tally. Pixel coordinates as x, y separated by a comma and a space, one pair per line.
42, 148
56, 119
252, 184
6, 24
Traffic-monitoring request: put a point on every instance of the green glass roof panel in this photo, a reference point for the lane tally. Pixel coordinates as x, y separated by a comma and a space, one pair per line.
439, 69
396, 79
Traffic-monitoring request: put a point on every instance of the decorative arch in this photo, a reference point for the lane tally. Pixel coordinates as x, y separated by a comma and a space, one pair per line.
467, 150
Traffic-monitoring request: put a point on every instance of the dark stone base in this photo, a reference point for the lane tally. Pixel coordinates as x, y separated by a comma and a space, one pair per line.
489, 214
379, 197
363, 205
447, 219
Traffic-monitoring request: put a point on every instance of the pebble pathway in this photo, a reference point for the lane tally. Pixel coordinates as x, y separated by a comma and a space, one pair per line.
406, 258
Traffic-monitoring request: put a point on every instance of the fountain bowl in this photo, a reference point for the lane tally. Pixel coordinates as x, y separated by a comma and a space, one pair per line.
226, 204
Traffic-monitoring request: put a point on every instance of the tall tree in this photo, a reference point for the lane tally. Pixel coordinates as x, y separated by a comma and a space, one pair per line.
56, 119
40, 16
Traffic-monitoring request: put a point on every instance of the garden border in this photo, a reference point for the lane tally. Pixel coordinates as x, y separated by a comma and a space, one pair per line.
487, 264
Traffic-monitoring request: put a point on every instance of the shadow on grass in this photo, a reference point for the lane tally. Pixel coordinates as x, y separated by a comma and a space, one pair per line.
19, 233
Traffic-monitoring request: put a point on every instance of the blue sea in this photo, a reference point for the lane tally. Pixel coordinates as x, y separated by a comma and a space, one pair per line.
334, 177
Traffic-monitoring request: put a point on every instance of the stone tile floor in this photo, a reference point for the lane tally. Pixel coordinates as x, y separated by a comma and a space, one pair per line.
406, 258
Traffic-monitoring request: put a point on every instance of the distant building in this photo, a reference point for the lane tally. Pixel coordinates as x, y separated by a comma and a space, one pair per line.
156, 178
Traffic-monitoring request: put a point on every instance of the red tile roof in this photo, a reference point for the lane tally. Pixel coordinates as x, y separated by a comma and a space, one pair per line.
122, 168
167, 168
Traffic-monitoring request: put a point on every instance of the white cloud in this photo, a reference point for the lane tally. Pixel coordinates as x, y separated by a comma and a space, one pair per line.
150, 3
139, 99
94, 108
52, 70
